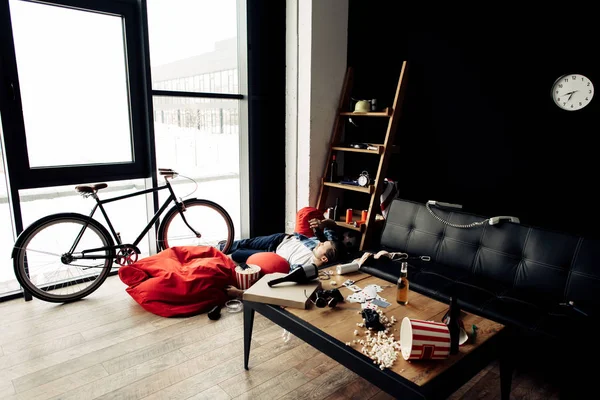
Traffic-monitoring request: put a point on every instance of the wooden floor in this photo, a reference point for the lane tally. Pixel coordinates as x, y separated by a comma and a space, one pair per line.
106, 346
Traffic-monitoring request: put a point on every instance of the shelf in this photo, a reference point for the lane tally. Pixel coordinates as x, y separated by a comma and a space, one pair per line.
387, 112
356, 217
384, 149
369, 189
379, 150
349, 226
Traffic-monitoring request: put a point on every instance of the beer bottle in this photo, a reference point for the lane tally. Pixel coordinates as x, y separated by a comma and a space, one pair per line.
402, 293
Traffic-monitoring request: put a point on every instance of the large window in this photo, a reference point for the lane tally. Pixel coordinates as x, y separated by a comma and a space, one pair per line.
197, 87
76, 101
79, 98
77, 112
81, 108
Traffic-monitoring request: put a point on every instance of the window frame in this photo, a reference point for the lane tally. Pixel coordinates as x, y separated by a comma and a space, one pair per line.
25, 177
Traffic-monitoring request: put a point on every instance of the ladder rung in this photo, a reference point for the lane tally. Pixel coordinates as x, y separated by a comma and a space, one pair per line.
367, 189
360, 228
379, 150
387, 112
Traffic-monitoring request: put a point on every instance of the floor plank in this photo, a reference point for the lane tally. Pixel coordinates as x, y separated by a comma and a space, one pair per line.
107, 347
276, 387
214, 393
270, 370
110, 383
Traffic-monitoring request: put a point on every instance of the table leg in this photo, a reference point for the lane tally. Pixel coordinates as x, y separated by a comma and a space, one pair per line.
506, 367
248, 322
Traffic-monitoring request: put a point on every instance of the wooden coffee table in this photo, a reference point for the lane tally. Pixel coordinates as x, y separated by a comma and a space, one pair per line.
329, 329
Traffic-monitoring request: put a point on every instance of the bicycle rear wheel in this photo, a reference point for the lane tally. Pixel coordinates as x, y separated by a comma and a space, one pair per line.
47, 265
210, 220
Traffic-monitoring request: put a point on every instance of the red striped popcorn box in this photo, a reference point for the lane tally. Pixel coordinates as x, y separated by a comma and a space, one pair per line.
424, 340
247, 277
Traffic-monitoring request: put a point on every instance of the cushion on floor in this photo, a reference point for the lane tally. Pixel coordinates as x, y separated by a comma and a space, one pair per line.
180, 281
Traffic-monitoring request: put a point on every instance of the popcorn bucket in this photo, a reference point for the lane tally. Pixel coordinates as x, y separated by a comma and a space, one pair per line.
424, 340
246, 277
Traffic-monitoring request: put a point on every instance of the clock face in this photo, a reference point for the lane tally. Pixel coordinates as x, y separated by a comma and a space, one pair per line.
363, 179
572, 92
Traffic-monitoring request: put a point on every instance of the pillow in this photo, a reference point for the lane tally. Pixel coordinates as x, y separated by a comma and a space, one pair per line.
269, 262
180, 281
303, 216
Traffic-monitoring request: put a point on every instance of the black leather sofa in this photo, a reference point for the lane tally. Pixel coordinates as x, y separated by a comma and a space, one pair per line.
521, 276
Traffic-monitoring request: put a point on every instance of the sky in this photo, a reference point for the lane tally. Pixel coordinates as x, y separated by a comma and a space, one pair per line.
185, 28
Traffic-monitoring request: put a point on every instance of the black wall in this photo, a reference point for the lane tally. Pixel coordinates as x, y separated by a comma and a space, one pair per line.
479, 126
266, 108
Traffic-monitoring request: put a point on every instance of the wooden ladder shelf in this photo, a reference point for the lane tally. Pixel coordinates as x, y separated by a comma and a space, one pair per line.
382, 150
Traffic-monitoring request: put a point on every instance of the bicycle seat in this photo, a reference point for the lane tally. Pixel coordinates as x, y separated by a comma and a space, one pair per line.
167, 172
90, 189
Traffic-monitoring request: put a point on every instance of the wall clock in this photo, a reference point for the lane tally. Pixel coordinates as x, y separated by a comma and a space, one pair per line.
572, 92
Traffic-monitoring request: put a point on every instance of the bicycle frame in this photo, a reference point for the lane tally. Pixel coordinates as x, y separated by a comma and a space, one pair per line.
99, 205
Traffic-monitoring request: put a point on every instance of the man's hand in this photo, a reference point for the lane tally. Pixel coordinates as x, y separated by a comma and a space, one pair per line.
365, 256
314, 223
322, 224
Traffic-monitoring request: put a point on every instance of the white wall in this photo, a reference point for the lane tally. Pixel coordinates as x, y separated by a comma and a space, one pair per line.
316, 50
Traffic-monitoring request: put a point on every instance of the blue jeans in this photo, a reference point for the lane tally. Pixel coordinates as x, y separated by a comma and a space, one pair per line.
244, 248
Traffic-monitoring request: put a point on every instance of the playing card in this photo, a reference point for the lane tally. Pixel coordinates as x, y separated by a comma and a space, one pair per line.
380, 302
354, 288
356, 298
370, 292
368, 304
348, 282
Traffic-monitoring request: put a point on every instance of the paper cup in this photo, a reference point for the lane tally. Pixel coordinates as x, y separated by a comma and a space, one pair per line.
424, 340
247, 277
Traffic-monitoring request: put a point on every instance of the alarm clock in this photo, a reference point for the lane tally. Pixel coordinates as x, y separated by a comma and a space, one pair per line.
363, 179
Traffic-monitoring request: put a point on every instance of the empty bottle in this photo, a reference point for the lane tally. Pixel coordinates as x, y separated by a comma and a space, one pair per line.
303, 274
333, 170
454, 324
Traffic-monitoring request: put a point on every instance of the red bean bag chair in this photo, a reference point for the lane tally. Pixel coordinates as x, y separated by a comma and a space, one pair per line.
269, 263
303, 216
180, 281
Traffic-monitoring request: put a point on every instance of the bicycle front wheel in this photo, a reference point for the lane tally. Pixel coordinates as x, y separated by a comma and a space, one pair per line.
48, 262
210, 221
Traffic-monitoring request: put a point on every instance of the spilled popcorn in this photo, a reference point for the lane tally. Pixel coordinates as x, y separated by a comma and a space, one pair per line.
379, 346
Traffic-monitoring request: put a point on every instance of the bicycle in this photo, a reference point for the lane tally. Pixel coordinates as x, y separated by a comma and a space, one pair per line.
75, 272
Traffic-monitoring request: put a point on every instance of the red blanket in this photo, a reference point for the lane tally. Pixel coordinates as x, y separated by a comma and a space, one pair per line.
180, 281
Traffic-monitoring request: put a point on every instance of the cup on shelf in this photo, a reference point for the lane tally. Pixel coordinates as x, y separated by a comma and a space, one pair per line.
349, 216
